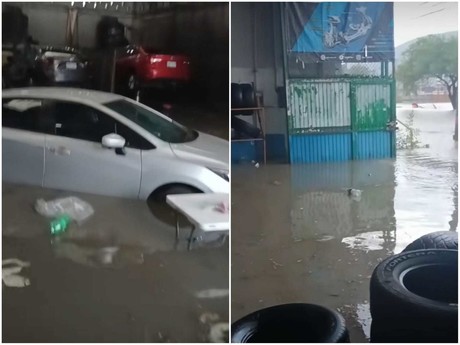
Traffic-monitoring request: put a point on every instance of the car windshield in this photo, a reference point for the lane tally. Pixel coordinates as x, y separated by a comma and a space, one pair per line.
164, 129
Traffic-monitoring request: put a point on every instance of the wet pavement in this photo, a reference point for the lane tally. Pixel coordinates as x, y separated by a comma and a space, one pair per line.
120, 276
297, 236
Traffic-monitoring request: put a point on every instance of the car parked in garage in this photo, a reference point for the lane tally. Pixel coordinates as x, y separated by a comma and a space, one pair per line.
138, 67
60, 66
28, 64
102, 143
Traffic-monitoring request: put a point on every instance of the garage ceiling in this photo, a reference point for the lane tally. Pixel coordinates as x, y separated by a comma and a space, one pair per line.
120, 8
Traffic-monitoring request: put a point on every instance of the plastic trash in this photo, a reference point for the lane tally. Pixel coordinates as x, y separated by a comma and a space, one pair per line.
73, 207
219, 332
59, 224
10, 273
212, 293
355, 194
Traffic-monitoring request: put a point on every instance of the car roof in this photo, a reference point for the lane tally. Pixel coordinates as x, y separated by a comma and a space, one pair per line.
63, 93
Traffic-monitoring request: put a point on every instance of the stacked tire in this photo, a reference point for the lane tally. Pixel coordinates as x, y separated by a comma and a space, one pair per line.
110, 33
414, 294
15, 25
243, 96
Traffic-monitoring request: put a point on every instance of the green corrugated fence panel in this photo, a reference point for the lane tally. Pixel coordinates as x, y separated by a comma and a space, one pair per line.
318, 104
372, 106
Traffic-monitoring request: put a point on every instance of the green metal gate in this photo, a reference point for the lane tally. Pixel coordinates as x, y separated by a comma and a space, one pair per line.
341, 119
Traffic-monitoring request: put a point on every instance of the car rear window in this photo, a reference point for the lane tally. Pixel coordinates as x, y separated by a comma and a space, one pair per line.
150, 50
51, 54
23, 114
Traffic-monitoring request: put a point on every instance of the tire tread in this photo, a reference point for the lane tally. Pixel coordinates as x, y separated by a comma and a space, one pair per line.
435, 240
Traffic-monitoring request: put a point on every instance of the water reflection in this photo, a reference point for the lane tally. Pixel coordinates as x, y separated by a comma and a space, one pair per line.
322, 205
363, 313
401, 199
454, 222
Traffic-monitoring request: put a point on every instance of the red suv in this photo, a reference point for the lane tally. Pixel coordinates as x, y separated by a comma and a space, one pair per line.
138, 67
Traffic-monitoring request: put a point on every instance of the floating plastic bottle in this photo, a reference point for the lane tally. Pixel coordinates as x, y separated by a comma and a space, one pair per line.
60, 224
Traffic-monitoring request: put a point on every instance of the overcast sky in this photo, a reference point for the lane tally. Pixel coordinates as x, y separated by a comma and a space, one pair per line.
417, 19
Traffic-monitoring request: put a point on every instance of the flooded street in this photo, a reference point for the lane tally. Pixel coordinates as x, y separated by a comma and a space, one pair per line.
297, 235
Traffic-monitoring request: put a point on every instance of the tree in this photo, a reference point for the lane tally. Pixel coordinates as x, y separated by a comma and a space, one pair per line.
431, 56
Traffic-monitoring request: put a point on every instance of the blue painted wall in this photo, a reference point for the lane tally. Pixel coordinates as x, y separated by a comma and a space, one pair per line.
315, 148
372, 145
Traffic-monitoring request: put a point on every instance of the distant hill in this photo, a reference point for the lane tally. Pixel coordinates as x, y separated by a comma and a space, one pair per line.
399, 50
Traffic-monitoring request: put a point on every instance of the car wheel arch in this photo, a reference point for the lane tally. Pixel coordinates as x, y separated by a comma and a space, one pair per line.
161, 189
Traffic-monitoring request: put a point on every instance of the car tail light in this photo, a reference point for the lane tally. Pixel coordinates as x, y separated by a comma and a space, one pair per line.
155, 60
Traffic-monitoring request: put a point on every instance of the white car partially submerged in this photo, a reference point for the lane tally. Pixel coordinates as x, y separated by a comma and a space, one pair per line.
102, 143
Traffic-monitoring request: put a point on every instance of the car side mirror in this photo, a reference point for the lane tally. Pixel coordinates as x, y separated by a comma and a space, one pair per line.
113, 141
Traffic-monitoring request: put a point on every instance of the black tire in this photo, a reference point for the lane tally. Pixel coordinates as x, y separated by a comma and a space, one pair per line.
249, 97
291, 323
174, 189
413, 297
236, 96
158, 206
245, 129
435, 240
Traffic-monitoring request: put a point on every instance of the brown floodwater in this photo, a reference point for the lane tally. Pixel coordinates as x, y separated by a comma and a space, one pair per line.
297, 236
120, 276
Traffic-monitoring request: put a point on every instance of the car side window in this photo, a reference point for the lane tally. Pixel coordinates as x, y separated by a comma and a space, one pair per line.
133, 140
79, 121
26, 114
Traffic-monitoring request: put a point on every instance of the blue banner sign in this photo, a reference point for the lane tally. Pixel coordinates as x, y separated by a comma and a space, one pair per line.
347, 31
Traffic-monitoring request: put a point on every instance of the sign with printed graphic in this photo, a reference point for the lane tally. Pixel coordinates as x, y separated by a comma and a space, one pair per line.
347, 31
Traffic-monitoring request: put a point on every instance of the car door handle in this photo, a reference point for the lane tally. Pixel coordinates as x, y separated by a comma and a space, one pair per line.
61, 150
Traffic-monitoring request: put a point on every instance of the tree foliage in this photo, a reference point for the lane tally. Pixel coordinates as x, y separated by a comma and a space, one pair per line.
431, 56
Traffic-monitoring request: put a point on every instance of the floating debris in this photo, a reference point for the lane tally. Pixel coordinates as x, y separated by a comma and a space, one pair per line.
209, 317
325, 238
354, 194
275, 264
212, 293
219, 333
10, 273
